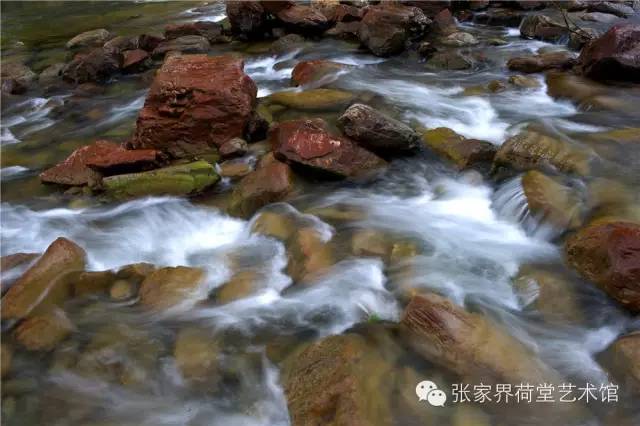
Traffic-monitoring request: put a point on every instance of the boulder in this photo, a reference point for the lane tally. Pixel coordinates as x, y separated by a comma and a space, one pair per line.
309, 143
449, 60
377, 131
386, 28
93, 38
618, 9
148, 42
119, 44
85, 165
344, 30
286, 44
185, 44
242, 284
136, 60
613, 56
306, 72
499, 17
346, 13
46, 282
608, 254
11, 261
314, 99
247, 18
352, 376
623, 358
122, 290
172, 287
303, 19
272, 181
444, 22
459, 39
462, 152
197, 356
16, 78
236, 147
195, 102
43, 332
542, 62
182, 179
551, 200
97, 66
92, 282
531, 150
212, 31
309, 254
542, 27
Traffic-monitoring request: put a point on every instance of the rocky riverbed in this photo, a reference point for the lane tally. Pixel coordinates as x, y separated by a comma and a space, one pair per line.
278, 212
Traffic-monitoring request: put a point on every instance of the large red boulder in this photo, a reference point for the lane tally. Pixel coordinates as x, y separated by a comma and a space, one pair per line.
195, 102
303, 19
309, 143
613, 56
386, 28
85, 165
608, 253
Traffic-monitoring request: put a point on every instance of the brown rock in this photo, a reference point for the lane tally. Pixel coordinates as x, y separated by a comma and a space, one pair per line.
613, 56
98, 66
551, 200
170, 287
93, 38
148, 42
16, 78
309, 143
347, 13
197, 356
542, 62
44, 332
212, 31
608, 254
624, 360
303, 19
236, 147
386, 28
306, 72
234, 169
444, 23
543, 28
241, 285
135, 60
92, 282
5, 359
122, 290
309, 255
185, 44
187, 110
344, 30
352, 377
81, 167
17, 259
247, 18
456, 148
272, 181
46, 282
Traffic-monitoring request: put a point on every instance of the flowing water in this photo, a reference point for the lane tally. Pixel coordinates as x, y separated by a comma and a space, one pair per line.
472, 234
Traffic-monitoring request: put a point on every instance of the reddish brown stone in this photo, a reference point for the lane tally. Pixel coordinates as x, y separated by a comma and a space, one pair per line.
195, 102
107, 157
207, 29
306, 72
614, 56
135, 60
99, 65
542, 62
347, 13
608, 253
309, 143
444, 23
275, 6
303, 19
386, 28
246, 17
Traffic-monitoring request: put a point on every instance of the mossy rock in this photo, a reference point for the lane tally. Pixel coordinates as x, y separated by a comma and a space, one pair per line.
184, 179
456, 148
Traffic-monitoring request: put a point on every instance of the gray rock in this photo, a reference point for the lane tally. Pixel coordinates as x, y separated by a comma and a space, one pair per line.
93, 38
184, 44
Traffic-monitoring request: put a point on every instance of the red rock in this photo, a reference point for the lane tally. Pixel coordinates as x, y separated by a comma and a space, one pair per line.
246, 17
347, 13
135, 60
306, 72
308, 142
444, 22
613, 56
97, 66
275, 6
303, 19
235, 147
108, 157
207, 29
542, 62
608, 253
386, 28
148, 42
195, 102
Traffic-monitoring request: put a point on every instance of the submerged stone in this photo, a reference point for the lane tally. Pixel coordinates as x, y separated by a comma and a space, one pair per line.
172, 287
314, 99
43, 332
551, 200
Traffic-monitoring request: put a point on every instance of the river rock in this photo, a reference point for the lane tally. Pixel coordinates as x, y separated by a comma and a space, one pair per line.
5, 359
456, 148
344, 30
134, 61
212, 31
303, 19
273, 224
11, 261
608, 254
551, 200
92, 282
377, 131
574, 87
469, 344
45, 283
530, 150
16, 78
182, 179
81, 167
309, 254
43, 332
542, 62
197, 356
542, 27
236, 147
615, 8
184, 44
314, 99
444, 22
309, 143
307, 72
524, 81
272, 181
286, 44
97, 66
187, 110
459, 39
499, 17
172, 287
579, 38
119, 44
386, 28
623, 358
93, 38
247, 18
352, 375
241, 285
449, 60
52, 75
235, 169
613, 56
346, 13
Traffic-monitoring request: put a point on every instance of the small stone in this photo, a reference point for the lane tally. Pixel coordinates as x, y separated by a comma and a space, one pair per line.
236, 147
122, 290
235, 169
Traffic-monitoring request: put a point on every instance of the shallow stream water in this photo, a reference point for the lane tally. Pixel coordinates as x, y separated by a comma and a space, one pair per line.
473, 234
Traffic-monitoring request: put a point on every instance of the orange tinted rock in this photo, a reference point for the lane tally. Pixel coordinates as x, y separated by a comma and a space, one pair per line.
195, 102
43, 332
306, 72
135, 60
169, 287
